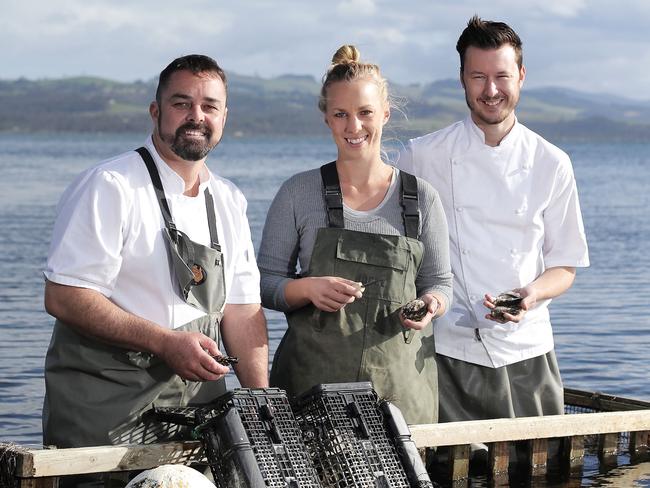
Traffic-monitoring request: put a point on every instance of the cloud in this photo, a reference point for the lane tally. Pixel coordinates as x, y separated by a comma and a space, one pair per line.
414, 42
87, 20
356, 7
561, 8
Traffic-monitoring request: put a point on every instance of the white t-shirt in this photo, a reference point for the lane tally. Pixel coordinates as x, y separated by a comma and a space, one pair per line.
108, 237
513, 212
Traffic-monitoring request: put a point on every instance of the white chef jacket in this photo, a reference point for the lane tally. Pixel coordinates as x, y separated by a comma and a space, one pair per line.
513, 212
108, 236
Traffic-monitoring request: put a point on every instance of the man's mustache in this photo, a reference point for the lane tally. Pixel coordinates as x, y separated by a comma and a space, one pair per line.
192, 126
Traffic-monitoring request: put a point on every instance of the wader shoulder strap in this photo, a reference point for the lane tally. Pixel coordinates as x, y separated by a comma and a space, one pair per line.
334, 200
333, 196
164, 206
157, 185
410, 205
212, 221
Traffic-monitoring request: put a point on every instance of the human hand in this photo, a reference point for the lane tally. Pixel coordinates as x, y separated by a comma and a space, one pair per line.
331, 293
190, 356
432, 305
529, 299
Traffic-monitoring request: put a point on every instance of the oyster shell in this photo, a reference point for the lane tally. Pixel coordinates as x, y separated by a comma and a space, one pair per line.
508, 302
415, 310
226, 360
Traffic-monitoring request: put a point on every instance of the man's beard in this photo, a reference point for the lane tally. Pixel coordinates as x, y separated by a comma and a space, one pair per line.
189, 150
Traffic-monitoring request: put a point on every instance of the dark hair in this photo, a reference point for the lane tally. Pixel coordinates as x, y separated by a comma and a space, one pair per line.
195, 63
486, 34
346, 66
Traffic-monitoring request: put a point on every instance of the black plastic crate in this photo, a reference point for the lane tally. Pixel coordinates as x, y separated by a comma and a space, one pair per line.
251, 438
354, 439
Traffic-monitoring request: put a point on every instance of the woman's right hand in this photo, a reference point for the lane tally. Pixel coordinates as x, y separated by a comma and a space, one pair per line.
330, 293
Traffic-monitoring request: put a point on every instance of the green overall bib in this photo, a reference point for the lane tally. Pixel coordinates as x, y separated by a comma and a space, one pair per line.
96, 393
364, 341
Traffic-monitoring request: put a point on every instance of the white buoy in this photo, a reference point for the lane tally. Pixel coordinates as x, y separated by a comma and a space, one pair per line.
170, 476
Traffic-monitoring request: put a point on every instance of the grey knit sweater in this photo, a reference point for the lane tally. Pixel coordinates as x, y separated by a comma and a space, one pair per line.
298, 211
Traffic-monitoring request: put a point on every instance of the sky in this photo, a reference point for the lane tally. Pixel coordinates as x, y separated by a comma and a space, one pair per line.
597, 46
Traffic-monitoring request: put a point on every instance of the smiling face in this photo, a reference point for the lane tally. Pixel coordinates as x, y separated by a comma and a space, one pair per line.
189, 121
356, 113
492, 81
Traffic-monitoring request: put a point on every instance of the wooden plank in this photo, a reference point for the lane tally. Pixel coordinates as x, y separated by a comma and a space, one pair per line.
60, 462
103, 459
459, 462
500, 430
498, 458
602, 402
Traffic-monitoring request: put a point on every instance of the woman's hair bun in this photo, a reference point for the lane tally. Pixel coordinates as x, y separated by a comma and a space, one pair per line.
346, 66
346, 54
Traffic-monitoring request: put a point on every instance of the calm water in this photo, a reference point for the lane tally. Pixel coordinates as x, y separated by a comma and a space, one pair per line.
601, 325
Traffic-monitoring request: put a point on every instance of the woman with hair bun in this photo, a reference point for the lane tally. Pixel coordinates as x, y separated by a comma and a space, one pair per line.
367, 238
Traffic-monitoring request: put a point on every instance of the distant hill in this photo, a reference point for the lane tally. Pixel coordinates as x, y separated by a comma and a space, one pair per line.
286, 106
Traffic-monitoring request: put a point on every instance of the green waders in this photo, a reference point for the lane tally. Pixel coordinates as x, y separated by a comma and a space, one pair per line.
96, 393
364, 341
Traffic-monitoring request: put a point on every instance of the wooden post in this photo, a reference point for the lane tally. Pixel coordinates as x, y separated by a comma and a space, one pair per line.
573, 452
39, 482
639, 442
498, 458
537, 454
422, 452
459, 462
428, 456
498, 462
607, 448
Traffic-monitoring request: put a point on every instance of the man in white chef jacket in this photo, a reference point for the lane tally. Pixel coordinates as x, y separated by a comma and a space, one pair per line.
514, 221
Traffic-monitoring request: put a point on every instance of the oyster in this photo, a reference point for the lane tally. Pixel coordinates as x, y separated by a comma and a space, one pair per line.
226, 360
508, 302
415, 310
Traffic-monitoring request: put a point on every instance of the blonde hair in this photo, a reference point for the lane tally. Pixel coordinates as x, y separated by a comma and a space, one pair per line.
347, 67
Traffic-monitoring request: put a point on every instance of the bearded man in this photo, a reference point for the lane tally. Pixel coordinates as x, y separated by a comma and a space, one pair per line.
151, 265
